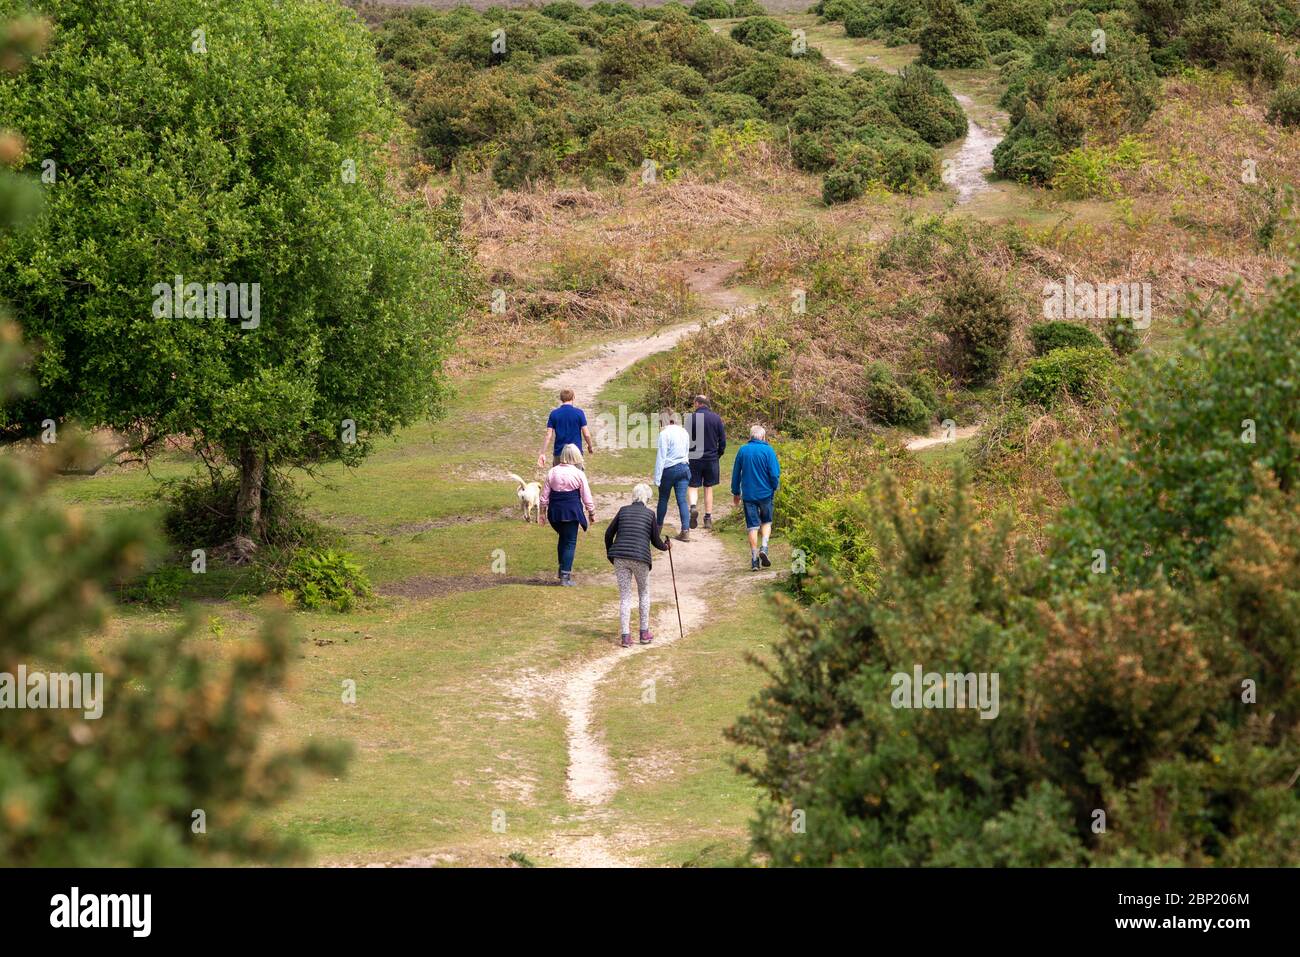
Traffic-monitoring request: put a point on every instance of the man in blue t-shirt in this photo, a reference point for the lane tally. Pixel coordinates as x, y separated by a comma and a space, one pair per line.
755, 477
567, 425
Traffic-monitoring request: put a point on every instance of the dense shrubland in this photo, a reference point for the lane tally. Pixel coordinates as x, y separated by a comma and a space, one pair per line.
596, 93
1095, 79
1148, 656
1088, 78
902, 333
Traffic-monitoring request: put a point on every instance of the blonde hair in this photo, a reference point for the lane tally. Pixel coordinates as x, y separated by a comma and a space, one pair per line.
641, 493
571, 455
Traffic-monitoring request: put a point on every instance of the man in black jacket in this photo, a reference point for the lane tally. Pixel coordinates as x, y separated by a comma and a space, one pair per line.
708, 442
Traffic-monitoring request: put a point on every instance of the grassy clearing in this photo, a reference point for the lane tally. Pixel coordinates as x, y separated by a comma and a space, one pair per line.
445, 731
671, 756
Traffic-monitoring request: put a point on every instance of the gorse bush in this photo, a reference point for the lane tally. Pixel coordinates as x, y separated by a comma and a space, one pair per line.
1092, 81
922, 102
950, 37
1172, 574
976, 317
1232, 34
1026, 18
713, 10
1207, 426
763, 33
1077, 371
1059, 334
890, 403
894, 21
1073, 88
1284, 108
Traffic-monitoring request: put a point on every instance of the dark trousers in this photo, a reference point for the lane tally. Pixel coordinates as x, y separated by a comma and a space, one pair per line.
567, 545
675, 479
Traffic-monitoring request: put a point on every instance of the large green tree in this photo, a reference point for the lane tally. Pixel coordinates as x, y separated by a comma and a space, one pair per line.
166, 766
223, 143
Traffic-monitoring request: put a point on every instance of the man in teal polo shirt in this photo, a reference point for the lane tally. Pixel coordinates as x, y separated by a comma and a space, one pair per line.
755, 477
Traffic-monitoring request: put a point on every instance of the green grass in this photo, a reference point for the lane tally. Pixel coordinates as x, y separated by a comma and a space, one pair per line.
678, 782
443, 735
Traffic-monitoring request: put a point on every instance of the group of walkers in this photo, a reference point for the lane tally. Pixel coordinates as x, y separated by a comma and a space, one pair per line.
687, 460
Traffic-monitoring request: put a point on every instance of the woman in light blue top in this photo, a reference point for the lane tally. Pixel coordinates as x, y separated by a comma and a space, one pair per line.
672, 471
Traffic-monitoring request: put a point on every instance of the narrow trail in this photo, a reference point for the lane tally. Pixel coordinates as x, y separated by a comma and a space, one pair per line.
700, 565
969, 168
974, 158
919, 443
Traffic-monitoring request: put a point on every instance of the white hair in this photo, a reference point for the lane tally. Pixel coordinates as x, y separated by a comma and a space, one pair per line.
641, 493
757, 432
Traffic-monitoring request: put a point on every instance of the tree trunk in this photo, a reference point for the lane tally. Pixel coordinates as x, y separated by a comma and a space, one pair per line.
248, 506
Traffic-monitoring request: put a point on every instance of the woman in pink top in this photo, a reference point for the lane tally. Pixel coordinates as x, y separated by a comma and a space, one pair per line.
567, 504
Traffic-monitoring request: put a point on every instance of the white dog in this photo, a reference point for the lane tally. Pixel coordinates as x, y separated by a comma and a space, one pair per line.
530, 497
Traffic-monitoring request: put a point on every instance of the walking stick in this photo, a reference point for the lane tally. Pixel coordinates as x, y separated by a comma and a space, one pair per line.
671, 571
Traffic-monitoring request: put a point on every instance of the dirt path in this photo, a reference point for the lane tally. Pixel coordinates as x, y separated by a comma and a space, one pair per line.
974, 158
919, 443
700, 565
590, 376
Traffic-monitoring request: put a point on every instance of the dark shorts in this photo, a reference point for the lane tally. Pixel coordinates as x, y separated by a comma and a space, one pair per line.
704, 472
758, 513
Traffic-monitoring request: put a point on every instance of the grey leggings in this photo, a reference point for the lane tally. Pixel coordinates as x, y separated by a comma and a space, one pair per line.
626, 569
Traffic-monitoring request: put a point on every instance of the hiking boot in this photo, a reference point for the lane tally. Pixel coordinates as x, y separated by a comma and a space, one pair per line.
683, 536
753, 564
646, 637
566, 578
695, 518
708, 520
762, 557
626, 641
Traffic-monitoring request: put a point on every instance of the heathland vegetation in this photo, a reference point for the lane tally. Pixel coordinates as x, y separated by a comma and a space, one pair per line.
593, 93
